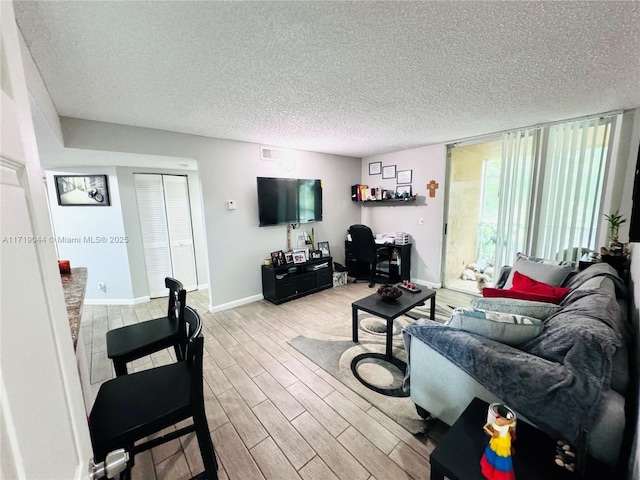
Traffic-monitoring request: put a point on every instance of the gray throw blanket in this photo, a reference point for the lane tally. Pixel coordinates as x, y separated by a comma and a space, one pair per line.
555, 379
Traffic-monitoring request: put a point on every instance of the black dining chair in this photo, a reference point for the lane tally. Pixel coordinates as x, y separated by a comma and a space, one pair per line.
131, 342
131, 407
366, 250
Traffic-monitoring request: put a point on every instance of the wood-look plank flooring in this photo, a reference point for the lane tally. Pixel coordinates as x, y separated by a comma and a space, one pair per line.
273, 414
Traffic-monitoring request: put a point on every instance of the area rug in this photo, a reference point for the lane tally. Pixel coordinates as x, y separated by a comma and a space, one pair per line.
332, 349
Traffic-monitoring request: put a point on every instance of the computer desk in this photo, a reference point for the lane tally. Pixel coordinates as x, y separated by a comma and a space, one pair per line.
397, 273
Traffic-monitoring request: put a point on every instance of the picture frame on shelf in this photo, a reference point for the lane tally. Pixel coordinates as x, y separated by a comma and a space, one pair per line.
404, 176
402, 189
375, 168
82, 190
277, 258
299, 256
303, 250
389, 171
288, 257
316, 254
324, 248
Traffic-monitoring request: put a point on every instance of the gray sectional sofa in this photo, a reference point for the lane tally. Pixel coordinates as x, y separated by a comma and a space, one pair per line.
570, 378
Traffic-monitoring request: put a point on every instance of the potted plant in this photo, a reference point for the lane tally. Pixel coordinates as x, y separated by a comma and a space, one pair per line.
615, 220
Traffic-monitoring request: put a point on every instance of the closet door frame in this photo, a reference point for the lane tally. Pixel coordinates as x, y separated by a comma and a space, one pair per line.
163, 245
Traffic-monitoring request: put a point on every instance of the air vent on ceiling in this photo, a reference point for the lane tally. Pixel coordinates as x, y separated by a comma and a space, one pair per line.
268, 153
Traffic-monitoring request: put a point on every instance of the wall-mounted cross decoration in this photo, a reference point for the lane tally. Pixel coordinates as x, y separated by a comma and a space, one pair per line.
432, 186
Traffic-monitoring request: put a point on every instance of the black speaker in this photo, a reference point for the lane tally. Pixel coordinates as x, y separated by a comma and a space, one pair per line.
634, 226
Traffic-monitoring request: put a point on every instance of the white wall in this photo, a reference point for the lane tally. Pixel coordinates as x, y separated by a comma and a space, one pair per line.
427, 163
228, 169
106, 262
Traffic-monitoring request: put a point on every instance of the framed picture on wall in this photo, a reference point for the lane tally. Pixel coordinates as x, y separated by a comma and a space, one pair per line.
404, 176
82, 190
389, 171
375, 168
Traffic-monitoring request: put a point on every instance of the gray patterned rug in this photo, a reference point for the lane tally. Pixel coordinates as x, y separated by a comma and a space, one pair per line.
333, 350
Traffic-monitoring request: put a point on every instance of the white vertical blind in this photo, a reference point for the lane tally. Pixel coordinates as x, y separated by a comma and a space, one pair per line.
516, 182
176, 195
155, 235
573, 176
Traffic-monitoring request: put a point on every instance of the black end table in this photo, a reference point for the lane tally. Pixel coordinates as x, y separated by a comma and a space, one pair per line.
458, 454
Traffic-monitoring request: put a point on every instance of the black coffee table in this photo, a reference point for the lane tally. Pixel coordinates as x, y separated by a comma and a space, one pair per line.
391, 310
458, 453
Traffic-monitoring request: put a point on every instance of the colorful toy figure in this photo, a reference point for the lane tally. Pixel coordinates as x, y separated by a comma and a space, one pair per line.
496, 462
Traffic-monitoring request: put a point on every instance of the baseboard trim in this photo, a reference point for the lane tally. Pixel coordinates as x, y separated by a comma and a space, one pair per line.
116, 301
426, 283
235, 303
204, 286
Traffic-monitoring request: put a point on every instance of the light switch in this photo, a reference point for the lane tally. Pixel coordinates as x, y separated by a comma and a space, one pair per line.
231, 204
420, 220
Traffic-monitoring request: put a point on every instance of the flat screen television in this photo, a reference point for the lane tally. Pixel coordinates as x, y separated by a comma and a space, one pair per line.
283, 201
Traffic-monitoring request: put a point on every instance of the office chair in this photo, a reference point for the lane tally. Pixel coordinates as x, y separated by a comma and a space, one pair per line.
129, 343
366, 251
131, 407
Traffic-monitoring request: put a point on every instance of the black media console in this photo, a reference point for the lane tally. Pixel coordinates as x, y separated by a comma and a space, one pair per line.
286, 282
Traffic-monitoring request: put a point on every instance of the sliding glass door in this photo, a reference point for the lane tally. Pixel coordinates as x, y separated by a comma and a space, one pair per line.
472, 216
537, 191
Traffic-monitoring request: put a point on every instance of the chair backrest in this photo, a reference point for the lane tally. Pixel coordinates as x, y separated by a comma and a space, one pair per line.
363, 243
175, 305
194, 352
192, 329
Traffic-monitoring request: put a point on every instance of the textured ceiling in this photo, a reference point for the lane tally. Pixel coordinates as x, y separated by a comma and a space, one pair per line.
351, 78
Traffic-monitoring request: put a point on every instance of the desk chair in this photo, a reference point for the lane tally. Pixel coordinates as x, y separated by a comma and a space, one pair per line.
129, 343
131, 407
366, 250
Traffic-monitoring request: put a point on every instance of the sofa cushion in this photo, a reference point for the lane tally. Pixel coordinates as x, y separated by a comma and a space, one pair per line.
522, 283
620, 370
540, 310
547, 271
489, 292
501, 327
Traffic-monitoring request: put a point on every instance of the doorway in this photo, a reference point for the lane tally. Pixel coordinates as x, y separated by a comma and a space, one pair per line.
472, 220
167, 237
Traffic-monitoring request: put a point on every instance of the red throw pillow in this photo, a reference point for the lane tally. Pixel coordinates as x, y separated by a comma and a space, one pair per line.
526, 288
504, 293
522, 283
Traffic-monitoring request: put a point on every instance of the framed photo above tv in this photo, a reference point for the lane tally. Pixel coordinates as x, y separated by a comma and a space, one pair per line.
82, 190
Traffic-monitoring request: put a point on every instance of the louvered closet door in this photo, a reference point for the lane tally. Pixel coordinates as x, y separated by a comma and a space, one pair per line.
155, 233
176, 195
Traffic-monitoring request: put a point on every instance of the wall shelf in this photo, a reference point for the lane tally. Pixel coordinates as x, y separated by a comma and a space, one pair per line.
390, 202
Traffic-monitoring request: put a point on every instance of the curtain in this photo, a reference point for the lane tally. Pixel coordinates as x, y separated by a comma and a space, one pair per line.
516, 187
573, 169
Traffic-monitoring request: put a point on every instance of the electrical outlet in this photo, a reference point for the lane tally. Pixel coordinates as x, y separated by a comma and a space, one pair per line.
102, 286
420, 220
231, 204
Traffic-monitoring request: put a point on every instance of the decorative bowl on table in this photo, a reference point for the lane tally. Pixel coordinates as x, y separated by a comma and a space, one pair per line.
389, 293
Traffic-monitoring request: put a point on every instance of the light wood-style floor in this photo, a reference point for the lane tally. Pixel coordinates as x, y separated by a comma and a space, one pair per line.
272, 413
